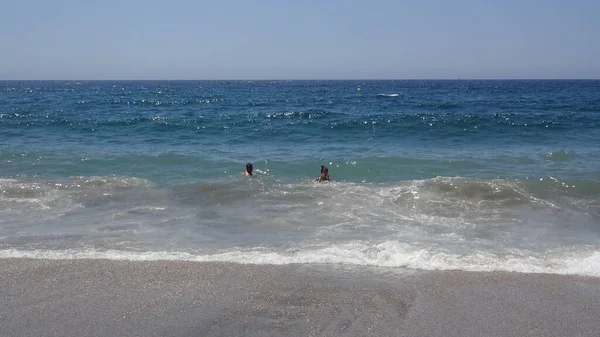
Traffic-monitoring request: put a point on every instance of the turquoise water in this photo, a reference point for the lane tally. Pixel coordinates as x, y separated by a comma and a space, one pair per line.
474, 175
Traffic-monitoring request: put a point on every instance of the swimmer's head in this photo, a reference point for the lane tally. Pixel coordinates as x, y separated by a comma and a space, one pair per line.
249, 168
324, 174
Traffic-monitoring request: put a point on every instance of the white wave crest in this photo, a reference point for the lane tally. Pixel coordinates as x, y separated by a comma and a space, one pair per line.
582, 261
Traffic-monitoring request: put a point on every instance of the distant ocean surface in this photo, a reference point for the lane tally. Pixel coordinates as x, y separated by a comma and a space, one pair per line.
465, 175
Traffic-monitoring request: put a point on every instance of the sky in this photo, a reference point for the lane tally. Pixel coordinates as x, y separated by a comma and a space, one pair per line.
290, 39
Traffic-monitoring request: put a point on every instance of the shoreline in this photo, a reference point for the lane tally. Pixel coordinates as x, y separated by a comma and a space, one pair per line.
82, 297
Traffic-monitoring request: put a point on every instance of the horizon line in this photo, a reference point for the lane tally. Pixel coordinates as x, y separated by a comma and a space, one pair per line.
323, 79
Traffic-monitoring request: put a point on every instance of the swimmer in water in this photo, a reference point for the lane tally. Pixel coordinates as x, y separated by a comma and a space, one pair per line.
249, 168
324, 174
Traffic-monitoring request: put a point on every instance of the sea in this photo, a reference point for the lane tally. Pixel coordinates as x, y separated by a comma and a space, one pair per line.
475, 175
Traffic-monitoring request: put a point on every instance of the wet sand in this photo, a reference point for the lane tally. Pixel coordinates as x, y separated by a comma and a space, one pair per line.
172, 298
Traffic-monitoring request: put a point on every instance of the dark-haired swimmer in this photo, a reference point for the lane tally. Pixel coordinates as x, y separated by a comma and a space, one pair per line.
324, 174
249, 169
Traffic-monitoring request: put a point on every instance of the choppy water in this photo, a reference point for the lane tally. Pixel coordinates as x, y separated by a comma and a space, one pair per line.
471, 175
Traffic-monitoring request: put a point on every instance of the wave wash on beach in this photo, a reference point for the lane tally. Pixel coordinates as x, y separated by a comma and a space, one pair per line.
440, 223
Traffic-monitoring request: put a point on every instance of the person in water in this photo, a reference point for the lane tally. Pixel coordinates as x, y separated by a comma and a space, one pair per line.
324, 174
249, 169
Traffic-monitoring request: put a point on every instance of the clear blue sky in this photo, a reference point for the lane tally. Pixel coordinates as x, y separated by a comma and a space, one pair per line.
290, 39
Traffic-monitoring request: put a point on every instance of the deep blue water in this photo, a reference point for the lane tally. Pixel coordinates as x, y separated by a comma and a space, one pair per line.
465, 172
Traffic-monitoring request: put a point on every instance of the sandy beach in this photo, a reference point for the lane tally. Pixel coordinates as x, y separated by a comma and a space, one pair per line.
171, 298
